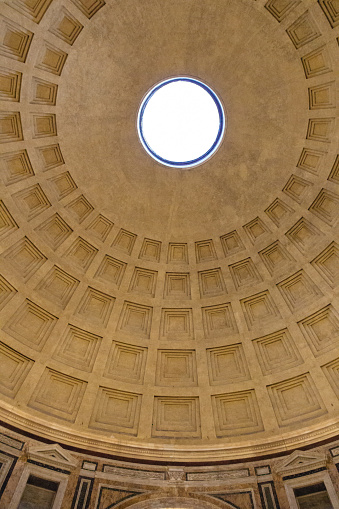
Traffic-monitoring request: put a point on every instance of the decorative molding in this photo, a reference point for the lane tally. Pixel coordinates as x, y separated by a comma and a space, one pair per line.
134, 473
300, 461
218, 475
53, 455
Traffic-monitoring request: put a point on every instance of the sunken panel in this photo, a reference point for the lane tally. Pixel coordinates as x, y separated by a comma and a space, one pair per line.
327, 264
66, 26
100, 227
296, 188
298, 290
334, 174
116, 411
7, 292
32, 201
54, 231
236, 413
278, 211
320, 129
177, 252
143, 281
44, 92
14, 370
326, 206
33, 9
303, 235
44, 125
58, 286
176, 417
16, 40
255, 229
111, 270
125, 241
25, 258
135, 319
205, 251
296, 400
96, 306
310, 160
58, 395
63, 186
177, 285
281, 8
16, 166
276, 258
227, 364
322, 96
317, 62
10, 126
81, 254
50, 156
303, 30
7, 223
31, 325
219, 320
176, 368
244, 273
231, 243
80, 208
331, 371
277, 352
89, 7
126, 362
78, 348
150, 250
321, 330
259, 309
331, 11
211, 282
51, 59
176, 324
10, 85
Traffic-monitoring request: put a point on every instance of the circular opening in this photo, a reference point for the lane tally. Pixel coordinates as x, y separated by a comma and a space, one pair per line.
181, 122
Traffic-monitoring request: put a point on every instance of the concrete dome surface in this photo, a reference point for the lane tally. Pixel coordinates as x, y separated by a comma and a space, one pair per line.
153, 312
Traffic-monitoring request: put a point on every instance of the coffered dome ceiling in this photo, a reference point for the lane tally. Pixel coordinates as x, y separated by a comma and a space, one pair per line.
157, 313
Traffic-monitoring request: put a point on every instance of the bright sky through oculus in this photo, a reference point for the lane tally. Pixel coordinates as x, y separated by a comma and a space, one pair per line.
181, 122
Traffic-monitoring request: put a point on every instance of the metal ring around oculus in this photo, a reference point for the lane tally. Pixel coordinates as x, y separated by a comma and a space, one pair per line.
207, 154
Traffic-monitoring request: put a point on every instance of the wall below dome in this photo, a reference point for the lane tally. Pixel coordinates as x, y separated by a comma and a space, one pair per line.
87, 481
119, 334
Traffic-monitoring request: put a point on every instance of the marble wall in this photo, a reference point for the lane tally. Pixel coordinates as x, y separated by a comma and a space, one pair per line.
87, 481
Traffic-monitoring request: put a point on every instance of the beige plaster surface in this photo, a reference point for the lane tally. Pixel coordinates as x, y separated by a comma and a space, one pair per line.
232, 46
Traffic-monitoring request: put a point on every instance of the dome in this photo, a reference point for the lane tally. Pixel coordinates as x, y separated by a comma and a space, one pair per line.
162, 313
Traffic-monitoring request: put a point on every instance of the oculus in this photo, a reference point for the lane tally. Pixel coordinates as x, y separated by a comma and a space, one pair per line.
181, 122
